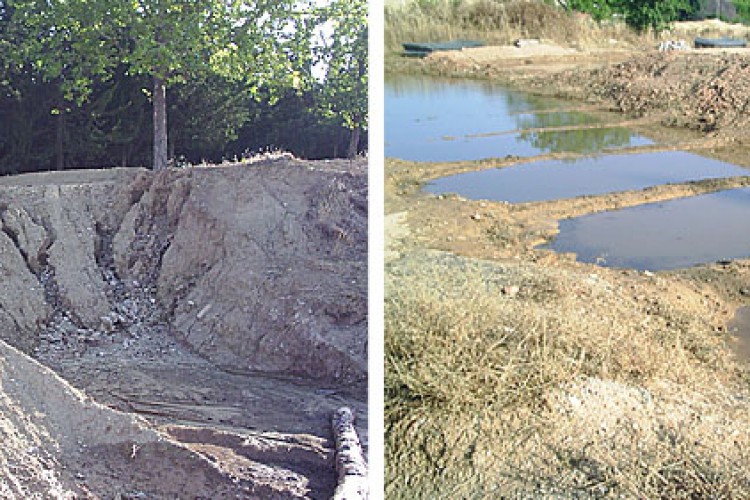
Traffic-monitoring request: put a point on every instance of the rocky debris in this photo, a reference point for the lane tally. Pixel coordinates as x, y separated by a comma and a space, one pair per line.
670, 45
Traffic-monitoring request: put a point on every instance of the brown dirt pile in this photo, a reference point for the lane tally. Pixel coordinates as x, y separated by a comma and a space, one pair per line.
702, 91
229, 301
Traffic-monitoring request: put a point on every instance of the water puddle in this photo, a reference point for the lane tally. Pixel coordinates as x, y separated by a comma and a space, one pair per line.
739, 327
430, 119
657, 236
556, 179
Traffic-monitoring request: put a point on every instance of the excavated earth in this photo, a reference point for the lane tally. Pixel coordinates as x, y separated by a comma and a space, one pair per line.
182, 334
434, 241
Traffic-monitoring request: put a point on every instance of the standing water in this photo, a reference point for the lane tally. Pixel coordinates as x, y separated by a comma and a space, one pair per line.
428, 119
658, 236
443, 120
555, 179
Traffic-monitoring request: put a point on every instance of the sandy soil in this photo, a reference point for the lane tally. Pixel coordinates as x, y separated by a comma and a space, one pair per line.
199, 327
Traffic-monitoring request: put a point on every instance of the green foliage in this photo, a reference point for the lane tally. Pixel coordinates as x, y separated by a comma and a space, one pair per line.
599, 10
344, 92
80, 42
743, 10
640, 14
654, 14
81, 71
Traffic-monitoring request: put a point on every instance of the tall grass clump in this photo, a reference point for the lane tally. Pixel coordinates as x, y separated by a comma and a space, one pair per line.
505, 380
493, 21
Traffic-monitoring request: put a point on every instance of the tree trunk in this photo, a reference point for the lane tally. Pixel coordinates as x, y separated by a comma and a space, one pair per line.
171, 148
353, 143
350, 459
60, 141
160, 124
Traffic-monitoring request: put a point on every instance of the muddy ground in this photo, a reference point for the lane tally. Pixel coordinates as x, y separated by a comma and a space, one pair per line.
186, 334
692, 100
670, 327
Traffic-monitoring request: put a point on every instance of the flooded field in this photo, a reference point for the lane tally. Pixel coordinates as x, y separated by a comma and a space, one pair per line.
556, 179
515, 371
428, 119
658, 236
439, 120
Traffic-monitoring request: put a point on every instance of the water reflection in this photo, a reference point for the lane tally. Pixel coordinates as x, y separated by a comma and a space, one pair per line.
555, 179
583, 141
556, 119
669, 235
429, 119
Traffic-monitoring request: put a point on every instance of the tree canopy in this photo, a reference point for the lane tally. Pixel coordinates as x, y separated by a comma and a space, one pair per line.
640, 14
96, 62
345, 57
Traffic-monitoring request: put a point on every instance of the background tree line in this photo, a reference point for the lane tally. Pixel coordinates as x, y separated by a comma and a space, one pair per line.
80, 81
658, 14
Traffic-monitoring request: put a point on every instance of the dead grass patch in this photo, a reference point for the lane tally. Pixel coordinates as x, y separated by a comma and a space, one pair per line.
610, 387
496, 22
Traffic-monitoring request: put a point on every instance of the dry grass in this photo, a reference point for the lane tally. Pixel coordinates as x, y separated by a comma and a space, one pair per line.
709, 28
495, 21
571, 388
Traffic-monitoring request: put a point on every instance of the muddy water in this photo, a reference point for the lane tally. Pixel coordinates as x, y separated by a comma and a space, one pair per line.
668, 235
555, 179
428, 119
739, 327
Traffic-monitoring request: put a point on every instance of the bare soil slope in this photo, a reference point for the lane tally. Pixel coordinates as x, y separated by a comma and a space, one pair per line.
226, 304
703, 90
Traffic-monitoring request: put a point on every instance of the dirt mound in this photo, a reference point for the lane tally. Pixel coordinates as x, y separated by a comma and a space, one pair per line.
59, 443
708, 28
256, 267
703, 91
230, 296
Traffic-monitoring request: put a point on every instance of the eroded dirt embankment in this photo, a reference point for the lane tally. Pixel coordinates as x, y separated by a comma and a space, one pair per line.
227, 305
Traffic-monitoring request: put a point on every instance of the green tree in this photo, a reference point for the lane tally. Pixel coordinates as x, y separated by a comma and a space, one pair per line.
344, 54
170, 41
599, 9
654, 14
743, 10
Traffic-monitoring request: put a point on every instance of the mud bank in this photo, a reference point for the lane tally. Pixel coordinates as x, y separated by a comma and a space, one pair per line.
225, 304
704, 90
